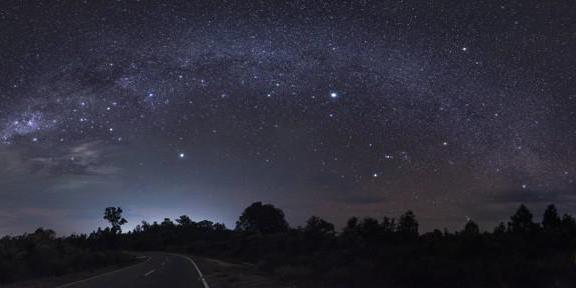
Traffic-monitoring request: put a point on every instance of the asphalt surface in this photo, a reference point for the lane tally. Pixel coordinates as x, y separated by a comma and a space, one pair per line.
160, 270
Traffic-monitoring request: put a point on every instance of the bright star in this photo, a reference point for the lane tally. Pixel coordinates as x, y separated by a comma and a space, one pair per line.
181, 155
334, 95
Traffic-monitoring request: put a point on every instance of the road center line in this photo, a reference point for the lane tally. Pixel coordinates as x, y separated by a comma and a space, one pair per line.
149, 272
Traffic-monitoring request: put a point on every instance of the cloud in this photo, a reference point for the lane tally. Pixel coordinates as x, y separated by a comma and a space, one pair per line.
12, 162
83, 159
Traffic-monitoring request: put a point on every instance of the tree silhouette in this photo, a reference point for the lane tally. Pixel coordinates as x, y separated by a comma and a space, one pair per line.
551, 221
351, 224
42, 234
114, 216
319, 227
167, 223
471, 228
388, 225
265, 219
521, 221
568, 224
369, 229
407, 225
500, 229
184, 220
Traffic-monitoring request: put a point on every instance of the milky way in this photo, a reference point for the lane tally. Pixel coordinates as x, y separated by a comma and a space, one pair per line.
333, 108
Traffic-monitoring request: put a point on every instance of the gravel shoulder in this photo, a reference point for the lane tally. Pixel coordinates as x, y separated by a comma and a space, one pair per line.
222, 274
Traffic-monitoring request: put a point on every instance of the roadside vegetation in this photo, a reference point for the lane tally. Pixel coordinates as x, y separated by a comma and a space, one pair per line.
368, 252
41, 254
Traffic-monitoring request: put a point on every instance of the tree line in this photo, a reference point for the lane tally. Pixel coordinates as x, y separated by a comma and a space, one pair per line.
373, 252
367, 252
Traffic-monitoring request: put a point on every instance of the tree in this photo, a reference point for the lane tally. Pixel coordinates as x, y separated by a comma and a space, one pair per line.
167, 223
42, 234
369, 229
569, 225
521, 221
219, 227
262, 218
145, 226
388, 225
407, 225
500, 229
184, 220
551, 221
205, 225
471, 228
114, 216
319, 227
351, 225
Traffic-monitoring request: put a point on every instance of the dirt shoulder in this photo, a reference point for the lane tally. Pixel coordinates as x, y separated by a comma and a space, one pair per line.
222, 274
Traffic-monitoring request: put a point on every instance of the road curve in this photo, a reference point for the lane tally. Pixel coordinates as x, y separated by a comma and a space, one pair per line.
160, 270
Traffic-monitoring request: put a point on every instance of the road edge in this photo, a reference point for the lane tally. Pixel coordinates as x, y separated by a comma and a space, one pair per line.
103, 274
201, 276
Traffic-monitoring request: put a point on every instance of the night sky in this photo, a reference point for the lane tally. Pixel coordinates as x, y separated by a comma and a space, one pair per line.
455, 109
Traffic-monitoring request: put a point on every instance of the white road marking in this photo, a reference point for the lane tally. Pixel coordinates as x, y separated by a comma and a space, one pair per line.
197, 269
102, 275
149, 272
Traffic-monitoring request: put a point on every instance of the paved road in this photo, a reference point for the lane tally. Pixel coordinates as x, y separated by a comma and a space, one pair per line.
160, 270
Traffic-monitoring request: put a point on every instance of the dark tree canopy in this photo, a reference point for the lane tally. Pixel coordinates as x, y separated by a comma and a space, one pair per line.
262, 218
369, 228
114, 216
318, 226
184, 220
500, 229
167, 222
351, 224
471, 228
388, 225
407, 224
551, 220
521, 221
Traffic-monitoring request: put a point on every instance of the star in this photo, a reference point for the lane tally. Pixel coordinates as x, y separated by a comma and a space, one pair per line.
181, 155
333, 95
